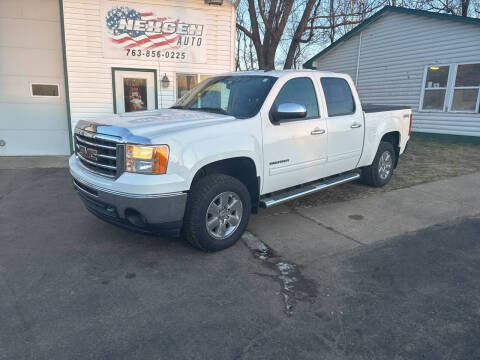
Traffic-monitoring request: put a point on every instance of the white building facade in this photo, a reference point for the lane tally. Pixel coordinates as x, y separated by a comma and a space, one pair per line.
428, 61
90, 58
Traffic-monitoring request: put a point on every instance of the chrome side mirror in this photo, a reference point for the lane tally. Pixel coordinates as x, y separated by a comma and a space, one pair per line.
288, 111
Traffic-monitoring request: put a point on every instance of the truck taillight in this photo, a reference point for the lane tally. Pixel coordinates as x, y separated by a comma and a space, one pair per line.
410, 126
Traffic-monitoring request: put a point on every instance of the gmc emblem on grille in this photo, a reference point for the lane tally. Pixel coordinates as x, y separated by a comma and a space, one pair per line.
88, 153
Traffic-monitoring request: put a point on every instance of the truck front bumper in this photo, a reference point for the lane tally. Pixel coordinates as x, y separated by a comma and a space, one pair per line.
152, 214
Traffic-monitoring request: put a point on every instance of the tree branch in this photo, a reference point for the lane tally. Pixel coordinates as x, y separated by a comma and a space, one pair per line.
244, 30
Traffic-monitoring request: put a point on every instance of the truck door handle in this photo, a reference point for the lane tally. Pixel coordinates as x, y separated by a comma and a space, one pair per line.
355, 125
318, 132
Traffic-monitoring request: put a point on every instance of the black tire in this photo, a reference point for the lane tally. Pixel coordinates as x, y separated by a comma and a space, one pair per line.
371, 175
203, 192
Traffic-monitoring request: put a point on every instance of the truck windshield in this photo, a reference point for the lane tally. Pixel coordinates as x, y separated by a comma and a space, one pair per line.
238, 96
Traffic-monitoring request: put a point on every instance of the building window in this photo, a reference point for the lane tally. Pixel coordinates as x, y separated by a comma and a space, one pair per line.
185, 83
435, 88
135, 94
467, 85
134, 89
204, 77
45, 90
453, 88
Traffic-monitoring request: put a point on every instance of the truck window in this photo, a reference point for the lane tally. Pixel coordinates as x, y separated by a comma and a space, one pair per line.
338, 96
299, 91
241, 96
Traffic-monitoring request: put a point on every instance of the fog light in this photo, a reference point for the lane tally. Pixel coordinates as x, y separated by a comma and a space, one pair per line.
135, 218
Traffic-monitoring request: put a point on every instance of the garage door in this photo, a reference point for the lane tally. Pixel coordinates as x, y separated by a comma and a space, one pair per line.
33, 115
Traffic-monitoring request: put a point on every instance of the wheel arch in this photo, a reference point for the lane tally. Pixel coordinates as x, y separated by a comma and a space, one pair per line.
242, 168
372, 143
393, 137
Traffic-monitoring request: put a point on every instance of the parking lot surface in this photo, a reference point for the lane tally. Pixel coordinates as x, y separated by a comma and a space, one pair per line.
302, 284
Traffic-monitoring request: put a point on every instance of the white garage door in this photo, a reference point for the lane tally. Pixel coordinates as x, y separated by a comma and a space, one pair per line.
33, 115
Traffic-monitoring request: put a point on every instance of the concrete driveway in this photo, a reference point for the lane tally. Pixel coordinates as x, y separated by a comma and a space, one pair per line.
391, 276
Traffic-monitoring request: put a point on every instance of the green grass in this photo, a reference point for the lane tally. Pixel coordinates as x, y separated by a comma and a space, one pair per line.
425, 160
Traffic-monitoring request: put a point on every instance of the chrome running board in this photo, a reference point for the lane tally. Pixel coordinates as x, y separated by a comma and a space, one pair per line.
278, 198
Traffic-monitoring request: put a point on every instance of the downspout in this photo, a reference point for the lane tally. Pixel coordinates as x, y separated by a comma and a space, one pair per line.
65, 74
358, 58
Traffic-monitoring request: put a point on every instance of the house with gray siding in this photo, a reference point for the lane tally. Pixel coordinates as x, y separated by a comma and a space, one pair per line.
428, 61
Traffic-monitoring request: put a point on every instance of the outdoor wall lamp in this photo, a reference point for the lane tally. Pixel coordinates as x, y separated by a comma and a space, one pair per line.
165, 81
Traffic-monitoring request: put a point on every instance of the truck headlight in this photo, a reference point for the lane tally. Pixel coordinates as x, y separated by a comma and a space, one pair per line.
146, 159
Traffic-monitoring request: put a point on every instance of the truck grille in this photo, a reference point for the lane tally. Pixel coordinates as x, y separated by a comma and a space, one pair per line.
97, 154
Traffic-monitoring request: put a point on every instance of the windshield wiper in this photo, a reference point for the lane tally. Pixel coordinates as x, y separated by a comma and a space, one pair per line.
183, 107
208, 109
211, 109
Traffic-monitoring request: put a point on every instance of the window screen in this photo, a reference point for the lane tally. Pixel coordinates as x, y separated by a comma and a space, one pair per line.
338, 96
468, 75
433, 99
44, 90
435, 88
467, 86
299, 91
437, 77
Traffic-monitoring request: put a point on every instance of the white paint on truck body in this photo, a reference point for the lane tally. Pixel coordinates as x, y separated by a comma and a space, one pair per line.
199, 138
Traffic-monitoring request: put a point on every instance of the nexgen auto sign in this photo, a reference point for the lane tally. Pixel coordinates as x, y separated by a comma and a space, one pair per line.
153, 32
166, 27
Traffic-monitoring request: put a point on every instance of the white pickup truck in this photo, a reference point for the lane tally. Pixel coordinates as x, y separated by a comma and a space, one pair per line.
235, 143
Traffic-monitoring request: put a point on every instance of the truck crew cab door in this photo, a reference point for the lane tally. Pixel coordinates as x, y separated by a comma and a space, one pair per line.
345, 124
294, 150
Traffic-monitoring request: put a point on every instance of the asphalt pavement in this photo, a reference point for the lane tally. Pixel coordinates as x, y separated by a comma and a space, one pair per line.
390, 276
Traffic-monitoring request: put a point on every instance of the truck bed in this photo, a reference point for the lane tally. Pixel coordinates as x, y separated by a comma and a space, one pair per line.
371, 108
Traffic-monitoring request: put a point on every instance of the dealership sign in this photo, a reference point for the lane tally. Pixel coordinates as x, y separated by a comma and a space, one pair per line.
149, 32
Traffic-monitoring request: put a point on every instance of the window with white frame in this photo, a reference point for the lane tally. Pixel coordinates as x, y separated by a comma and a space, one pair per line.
465, 91
454, 88
435, 88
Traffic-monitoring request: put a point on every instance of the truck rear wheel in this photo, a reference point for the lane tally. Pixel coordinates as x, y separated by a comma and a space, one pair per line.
380, 172
217, 213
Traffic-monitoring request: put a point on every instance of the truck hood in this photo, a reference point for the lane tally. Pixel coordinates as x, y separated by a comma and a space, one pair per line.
148, 124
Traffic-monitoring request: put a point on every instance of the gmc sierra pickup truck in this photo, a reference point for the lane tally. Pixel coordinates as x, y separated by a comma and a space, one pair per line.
235, 143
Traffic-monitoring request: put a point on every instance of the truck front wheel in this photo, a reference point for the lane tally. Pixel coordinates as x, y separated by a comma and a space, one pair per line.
217, 213
380, 172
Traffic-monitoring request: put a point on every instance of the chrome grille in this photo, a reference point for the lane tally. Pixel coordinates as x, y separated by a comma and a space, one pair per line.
96, 153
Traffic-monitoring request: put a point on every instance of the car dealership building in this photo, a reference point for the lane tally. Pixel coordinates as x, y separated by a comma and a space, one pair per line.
66, 60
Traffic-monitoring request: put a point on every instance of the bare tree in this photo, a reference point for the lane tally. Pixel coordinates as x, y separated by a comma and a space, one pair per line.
453, 7
308, 16
281, 32
267, 23
268, 19
464, 5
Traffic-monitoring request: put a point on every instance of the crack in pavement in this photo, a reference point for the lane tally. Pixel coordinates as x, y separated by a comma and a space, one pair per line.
294, 286
296, 212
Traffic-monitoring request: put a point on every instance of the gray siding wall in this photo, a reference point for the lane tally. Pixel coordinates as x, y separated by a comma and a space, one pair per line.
31, 52
394, 52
